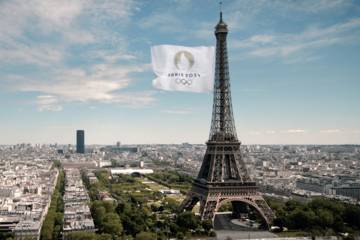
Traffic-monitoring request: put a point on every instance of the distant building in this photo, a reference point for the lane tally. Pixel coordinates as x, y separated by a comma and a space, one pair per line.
80, 141
352, 191
129, 171
105, 196
319, 184
8, 223
105, 163
92, 178
77, 215
113, 149
27, 230
169, 191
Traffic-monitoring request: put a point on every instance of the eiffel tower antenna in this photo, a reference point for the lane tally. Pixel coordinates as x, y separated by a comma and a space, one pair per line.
220, 9
223, 176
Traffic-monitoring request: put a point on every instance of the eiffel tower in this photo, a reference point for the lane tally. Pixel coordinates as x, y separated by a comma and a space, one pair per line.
223, 176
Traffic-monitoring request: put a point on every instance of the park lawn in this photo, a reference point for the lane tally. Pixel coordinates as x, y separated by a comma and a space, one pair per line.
185, 187
153, 185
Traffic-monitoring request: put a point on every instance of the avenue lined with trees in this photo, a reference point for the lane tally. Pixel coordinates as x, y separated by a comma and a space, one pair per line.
53, 222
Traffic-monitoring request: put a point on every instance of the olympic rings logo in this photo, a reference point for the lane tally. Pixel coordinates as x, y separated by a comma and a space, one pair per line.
183, 81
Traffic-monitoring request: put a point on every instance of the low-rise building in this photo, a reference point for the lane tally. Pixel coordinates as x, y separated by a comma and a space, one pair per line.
77, 215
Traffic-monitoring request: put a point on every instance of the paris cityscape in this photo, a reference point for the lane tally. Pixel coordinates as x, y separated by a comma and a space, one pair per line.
284, 172
90, 149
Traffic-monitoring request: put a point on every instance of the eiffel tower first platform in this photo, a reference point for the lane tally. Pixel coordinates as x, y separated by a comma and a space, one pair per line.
223, 176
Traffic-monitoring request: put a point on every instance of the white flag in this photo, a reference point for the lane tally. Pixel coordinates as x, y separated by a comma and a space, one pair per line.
181, 68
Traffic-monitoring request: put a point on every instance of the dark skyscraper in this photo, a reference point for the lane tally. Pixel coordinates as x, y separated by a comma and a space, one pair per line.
80, 141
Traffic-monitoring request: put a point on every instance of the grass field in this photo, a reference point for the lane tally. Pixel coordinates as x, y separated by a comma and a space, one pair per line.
293, 234
177, 197
153, 185
157, 187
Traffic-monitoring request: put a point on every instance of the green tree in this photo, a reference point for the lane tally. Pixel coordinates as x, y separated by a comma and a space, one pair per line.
352, 216
104, 236
81, 236
109, 206
171, 204
98, 213
48, 227
54, 219
57, 164
145, 236
207, 225
112, 224
180, 235
291, 205
300, 219
325, 218
7, 236
187, 220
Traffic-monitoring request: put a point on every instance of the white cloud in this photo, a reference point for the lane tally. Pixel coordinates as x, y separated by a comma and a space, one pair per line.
204, 30
48, 103
254, 41
57, 12
79, 36
286, 45
311, 6
330, 131
255, 133
261, 38
55, 27
162, 21
134, 99
184, 111
252, 90
110, 9
296, 131
101, 83
58, 24
112, 56
39, 54
270, 132
240, 14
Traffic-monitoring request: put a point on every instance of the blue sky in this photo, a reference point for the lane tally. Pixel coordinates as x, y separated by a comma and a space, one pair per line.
85, 64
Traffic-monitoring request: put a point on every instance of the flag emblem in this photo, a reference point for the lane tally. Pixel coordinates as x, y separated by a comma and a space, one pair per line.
183, 59
180, 68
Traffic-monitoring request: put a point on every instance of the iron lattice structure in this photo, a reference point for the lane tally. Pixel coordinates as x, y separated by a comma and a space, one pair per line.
223, 176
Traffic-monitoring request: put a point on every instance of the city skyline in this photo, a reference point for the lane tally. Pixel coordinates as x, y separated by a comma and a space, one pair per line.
70, 65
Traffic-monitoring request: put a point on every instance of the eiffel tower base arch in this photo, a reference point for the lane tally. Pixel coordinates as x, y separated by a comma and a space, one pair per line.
211, 200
